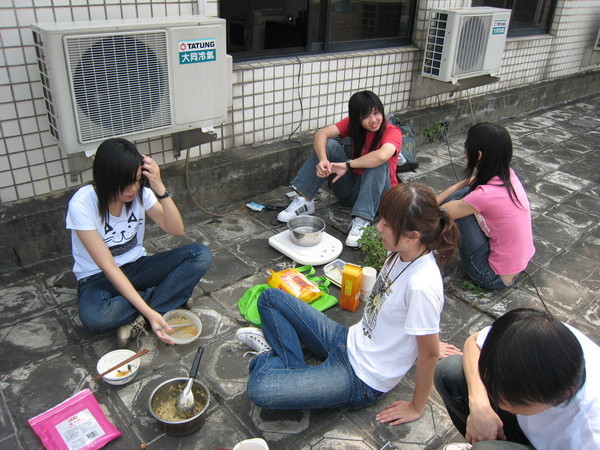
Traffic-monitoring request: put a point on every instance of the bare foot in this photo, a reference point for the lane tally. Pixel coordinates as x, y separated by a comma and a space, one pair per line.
448, 349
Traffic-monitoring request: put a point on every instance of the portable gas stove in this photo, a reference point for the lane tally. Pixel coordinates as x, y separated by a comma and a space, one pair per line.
325, 251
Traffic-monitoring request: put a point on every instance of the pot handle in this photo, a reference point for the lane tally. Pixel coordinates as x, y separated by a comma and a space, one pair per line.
196, 363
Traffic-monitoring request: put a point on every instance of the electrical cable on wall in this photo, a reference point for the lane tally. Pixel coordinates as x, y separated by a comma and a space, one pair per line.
296, 154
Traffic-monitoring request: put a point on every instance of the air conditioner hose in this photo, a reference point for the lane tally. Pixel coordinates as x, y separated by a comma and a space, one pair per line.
189, 189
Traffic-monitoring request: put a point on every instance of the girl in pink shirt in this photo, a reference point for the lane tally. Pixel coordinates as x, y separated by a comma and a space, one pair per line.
491, 209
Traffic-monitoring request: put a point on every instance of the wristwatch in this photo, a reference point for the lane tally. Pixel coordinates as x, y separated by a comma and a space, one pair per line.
165, 195
348, 161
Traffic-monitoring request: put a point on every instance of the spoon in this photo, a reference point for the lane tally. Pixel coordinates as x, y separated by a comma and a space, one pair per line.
185, 401
179, 325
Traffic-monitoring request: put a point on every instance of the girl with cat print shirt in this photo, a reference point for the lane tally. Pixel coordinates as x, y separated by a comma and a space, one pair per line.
119, 285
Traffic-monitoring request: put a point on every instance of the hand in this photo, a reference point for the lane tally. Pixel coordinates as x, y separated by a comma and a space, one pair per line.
448, 349
323, 169
151, 171
156, 320
339, 169
484, 425
398, 412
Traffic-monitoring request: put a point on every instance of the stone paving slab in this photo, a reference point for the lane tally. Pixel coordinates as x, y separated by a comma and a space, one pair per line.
46, 355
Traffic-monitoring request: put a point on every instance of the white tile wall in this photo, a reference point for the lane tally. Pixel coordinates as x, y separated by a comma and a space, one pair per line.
271, 98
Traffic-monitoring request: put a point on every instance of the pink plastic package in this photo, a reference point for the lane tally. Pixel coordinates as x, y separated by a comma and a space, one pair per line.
77, 423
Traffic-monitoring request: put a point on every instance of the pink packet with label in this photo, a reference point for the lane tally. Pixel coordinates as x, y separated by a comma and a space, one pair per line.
78, 423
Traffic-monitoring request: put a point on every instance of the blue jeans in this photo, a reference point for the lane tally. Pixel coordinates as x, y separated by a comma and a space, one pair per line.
361, 192
280, 379
165, 281
474, 249
451, 384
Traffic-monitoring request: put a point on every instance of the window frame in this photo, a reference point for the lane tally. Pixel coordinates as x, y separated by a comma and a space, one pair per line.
322, 44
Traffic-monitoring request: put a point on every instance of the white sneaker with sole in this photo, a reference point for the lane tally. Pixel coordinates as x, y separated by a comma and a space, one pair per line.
253, 338
125, 333
356, 231
457, 446
299, 207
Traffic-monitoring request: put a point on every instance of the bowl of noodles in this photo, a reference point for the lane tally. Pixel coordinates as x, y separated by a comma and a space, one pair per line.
185, 334
123, 374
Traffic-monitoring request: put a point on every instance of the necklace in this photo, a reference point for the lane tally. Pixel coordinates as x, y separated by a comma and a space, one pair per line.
397, 257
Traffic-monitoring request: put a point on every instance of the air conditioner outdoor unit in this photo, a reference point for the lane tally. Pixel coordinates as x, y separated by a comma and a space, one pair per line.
465, 42
135, 78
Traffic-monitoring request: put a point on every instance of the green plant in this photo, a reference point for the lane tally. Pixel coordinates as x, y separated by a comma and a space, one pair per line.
468, 285
434, 131
372, 246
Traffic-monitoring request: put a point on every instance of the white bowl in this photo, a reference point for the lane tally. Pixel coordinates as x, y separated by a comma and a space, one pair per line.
182, 335
123, 374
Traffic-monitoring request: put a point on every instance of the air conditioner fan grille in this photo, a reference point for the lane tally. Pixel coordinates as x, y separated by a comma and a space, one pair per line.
473, 39
120, 83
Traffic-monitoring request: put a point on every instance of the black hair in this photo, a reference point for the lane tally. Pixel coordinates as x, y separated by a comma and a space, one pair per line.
115, 168
360, 105
495, 145
410, 207
531, 357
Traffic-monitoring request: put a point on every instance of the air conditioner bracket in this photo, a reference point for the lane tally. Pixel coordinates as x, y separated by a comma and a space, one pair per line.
184, 140
78, 163
424, 87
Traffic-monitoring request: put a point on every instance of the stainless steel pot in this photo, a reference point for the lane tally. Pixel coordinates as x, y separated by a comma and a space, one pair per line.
306, 231
169, 391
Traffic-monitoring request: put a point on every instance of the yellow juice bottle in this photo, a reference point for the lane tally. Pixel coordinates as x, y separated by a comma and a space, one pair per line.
350, 290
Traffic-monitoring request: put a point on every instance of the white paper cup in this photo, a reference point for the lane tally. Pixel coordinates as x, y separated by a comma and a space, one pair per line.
252, 444
369, 275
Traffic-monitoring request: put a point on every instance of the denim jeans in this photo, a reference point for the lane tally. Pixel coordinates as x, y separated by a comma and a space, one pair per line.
165, 281
450, 382
474, 249
361, 192
281, 379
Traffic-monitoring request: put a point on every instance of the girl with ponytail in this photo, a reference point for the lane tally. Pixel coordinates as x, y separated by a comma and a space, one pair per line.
491, 209
400, 324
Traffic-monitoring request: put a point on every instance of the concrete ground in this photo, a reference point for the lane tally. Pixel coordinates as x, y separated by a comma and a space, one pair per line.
46, 356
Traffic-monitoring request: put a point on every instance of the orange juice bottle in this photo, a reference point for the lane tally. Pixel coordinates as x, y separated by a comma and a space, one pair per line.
351, 282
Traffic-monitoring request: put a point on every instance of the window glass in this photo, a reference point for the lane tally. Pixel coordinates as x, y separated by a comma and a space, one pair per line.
264, 28
527, 17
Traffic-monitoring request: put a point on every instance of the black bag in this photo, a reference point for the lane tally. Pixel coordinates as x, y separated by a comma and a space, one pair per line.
409, 144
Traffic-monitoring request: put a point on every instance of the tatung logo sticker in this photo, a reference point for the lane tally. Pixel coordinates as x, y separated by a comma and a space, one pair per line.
499, 27
197, 51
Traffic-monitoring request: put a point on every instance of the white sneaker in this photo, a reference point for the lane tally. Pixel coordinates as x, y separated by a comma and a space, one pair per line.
358, 226
253, 338
457, 446
125, 333
299, 207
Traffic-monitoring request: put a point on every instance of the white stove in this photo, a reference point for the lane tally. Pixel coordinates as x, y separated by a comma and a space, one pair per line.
325, 251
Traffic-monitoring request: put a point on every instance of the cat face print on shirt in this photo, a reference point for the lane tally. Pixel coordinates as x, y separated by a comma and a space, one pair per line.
121, 236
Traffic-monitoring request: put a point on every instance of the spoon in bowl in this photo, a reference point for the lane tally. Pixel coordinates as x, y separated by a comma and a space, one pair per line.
185, 401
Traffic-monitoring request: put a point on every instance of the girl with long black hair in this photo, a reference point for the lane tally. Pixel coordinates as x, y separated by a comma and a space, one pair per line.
491, 209
358, 179
119, 286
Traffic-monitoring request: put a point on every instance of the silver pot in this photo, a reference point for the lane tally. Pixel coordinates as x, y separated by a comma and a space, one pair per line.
306, 231
169, 390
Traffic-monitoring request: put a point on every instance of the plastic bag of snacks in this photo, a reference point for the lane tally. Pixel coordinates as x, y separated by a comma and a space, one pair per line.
294, 282
77, 423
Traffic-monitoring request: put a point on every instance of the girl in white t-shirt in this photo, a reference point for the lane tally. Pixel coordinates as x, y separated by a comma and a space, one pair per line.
118, 285
400, 324
491, 209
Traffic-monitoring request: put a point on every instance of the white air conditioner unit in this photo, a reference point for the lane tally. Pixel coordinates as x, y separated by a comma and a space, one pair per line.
465, 42
135, 78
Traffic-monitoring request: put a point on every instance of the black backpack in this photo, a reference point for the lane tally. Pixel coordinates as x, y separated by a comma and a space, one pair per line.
409, 144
